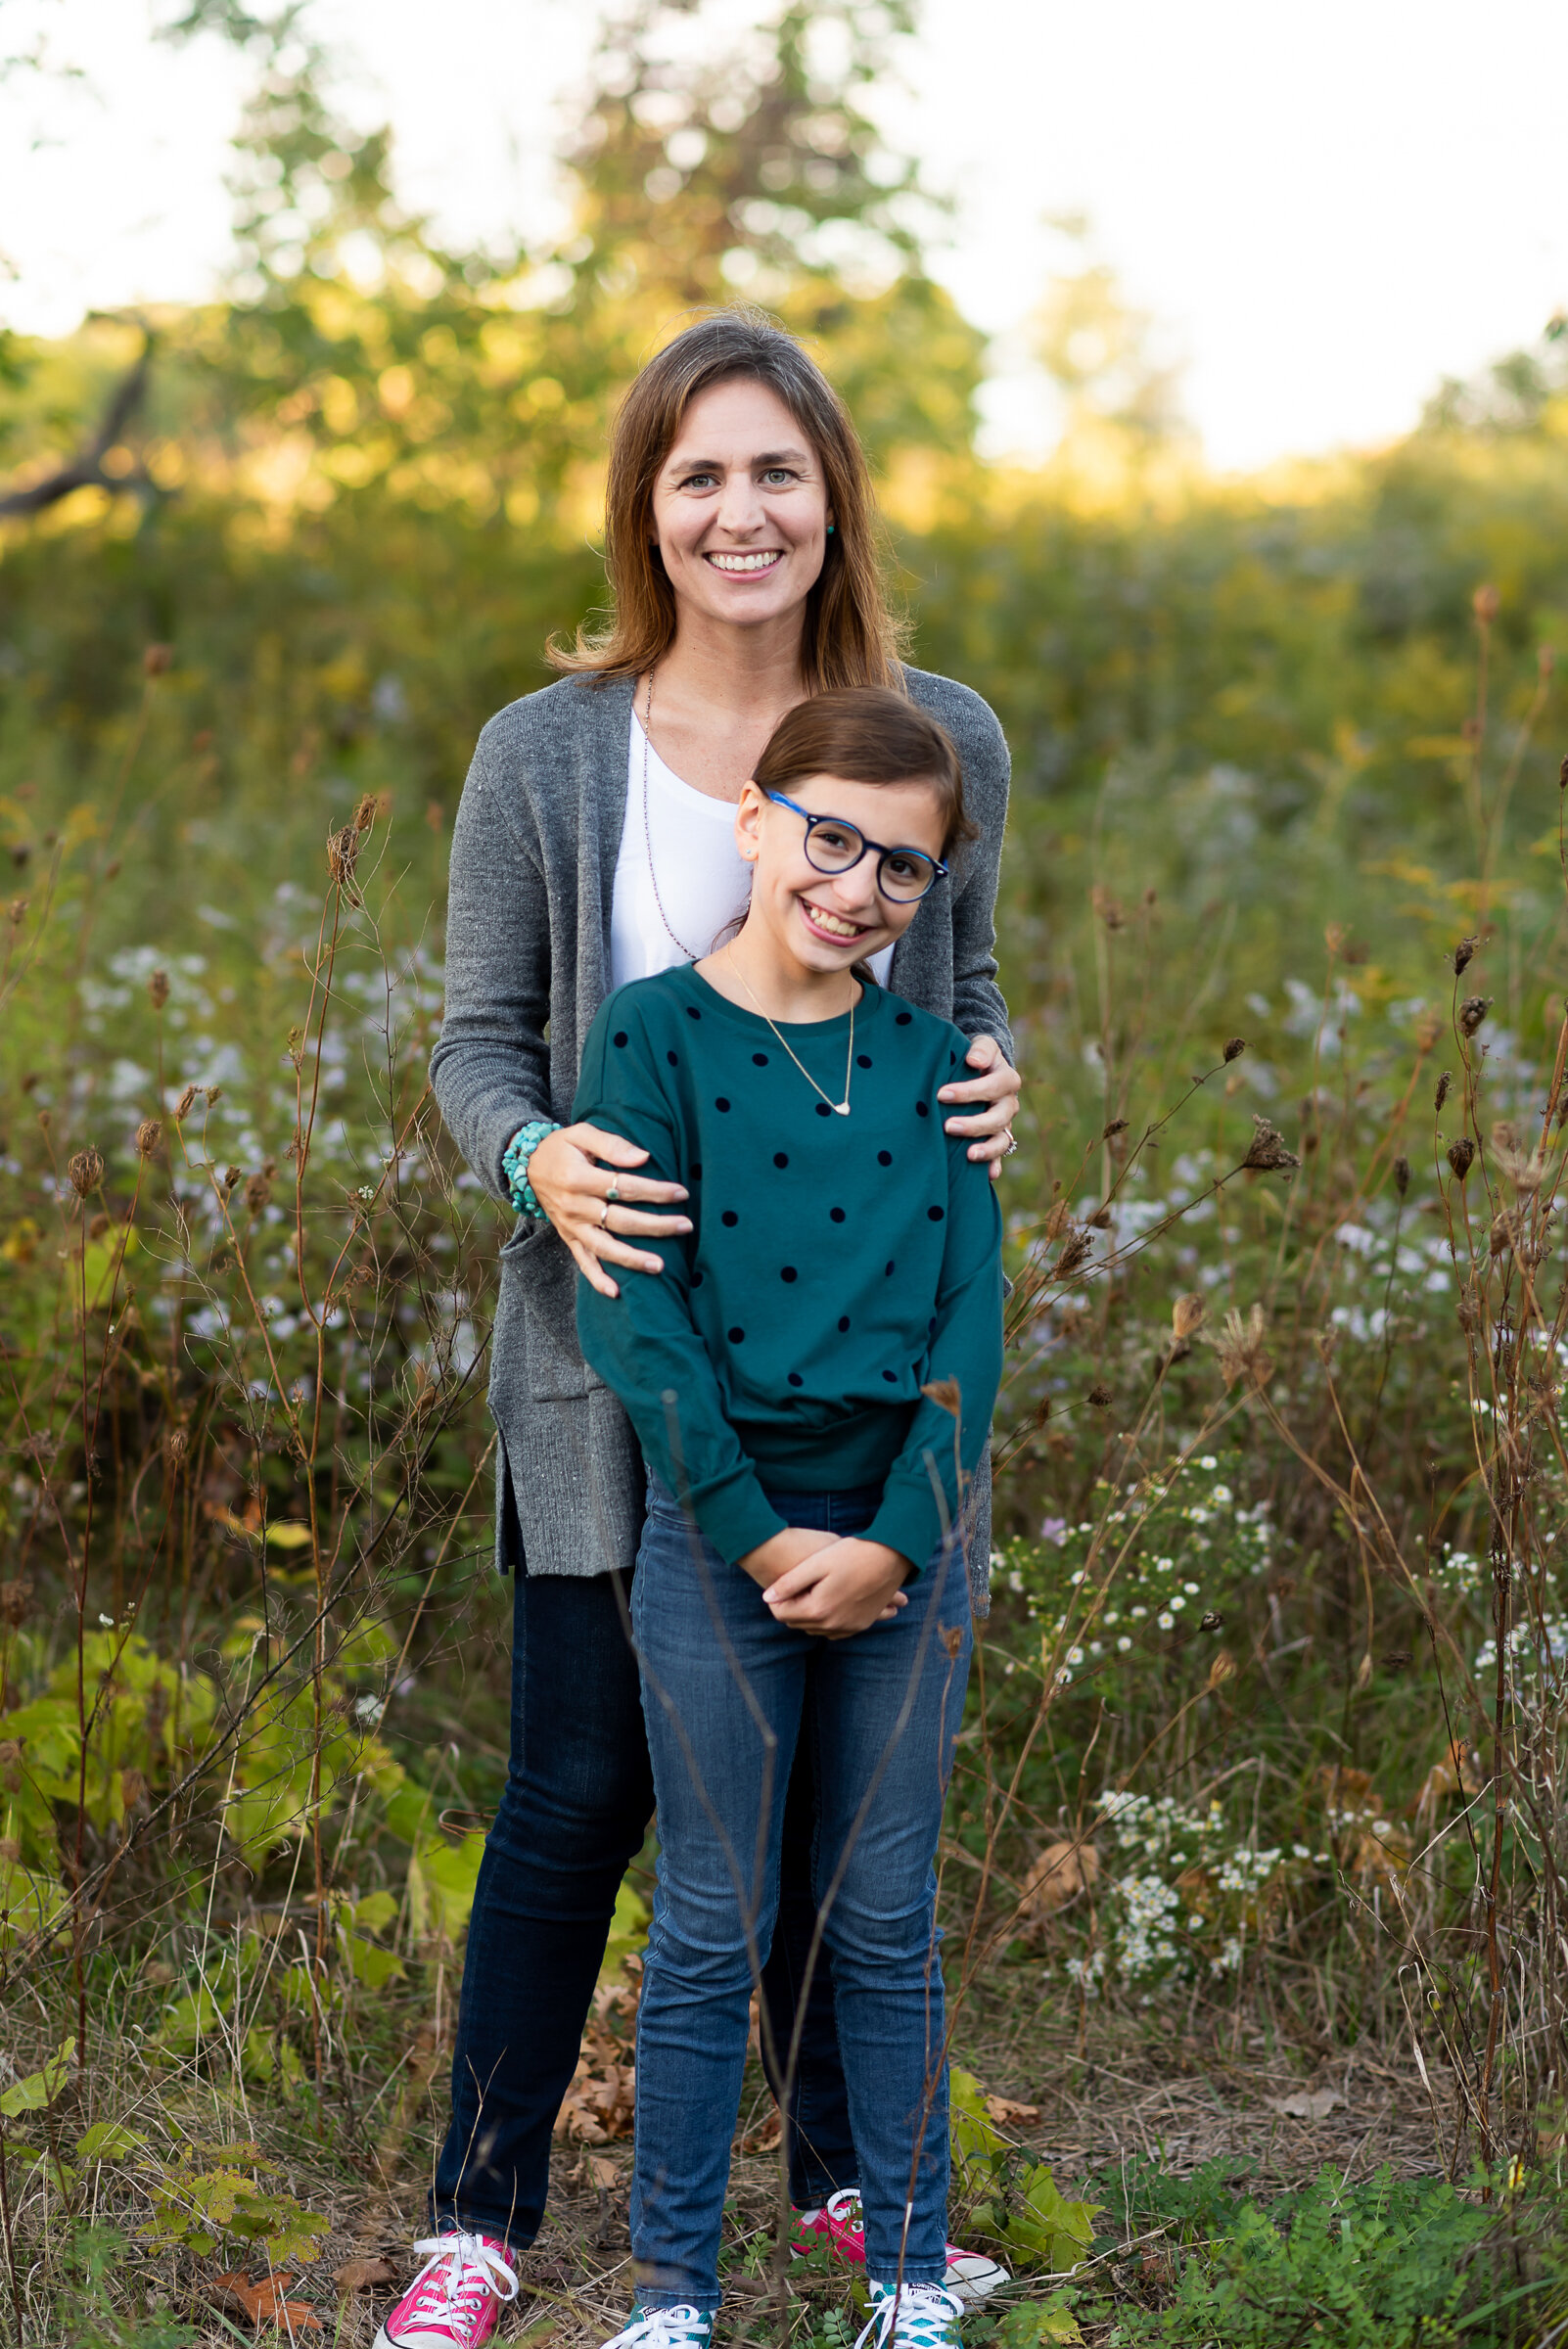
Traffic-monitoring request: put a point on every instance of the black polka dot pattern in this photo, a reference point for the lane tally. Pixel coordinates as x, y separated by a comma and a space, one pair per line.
903, 1019
696, 1280
673, 1059
696, 1170
722, 1103
692, 1012
886, 1269
837, 1213
935, 1214
884, 1157
922, 1108
822, 1110
795, 1380
787, 1272
759, 1060
781, 1158
620, 1040
844, 1323
892, 1377
730, 1219
736, 1337
863, 1060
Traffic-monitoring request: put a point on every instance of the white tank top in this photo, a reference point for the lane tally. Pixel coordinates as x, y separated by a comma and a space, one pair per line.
703, 881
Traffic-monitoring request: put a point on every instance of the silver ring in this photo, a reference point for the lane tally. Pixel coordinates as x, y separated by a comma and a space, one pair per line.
1012, 1141
604, 1217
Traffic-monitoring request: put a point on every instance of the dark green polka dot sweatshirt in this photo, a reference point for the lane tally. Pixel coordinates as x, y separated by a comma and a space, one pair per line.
838, 1265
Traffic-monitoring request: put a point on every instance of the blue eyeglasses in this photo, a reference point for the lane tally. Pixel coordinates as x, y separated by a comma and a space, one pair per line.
832, 846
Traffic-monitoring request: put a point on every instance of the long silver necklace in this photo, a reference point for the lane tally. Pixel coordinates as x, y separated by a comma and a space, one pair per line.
840, 1109
690, 953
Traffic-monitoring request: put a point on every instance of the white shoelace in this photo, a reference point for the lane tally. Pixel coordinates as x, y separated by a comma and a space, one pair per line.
919, 2316
682, 2328
462, 2265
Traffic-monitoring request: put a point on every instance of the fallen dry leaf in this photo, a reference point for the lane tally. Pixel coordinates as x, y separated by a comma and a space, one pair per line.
265, 2302
1008, 2113
1306, 2103
361, 2275
601, 2102
1060, 1873
766, 2140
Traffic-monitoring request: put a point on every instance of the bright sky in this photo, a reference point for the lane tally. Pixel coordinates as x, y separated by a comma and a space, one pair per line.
1327, 208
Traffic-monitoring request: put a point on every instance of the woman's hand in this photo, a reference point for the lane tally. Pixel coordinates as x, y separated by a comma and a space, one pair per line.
998, 1087
572, 1190
841, 1588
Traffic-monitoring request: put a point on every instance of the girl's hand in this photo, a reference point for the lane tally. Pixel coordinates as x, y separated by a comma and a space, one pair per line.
839, 1590
998, 1087
791, 1547
571, 1188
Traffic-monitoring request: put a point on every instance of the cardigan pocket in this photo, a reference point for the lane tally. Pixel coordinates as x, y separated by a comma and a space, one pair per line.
537, 1272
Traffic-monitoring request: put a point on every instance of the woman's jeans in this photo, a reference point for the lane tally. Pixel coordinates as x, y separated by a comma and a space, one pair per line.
575, 1809
728, 1693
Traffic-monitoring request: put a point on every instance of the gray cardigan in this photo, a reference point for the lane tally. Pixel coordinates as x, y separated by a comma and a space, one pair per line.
527, 965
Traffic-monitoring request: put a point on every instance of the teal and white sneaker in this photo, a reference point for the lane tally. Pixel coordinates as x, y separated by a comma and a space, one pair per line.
921, 2315
682, 2328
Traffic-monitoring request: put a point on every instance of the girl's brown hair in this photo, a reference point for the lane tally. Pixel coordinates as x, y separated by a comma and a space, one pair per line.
869, 734
849, 637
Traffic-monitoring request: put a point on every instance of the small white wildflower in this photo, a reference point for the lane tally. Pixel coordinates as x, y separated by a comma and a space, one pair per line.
1208, 1461
1096, 1648
1222, 1493
1064, 1678
1195, 1922
1191, 1590
370, 1708
1298, 1851
1166, 1620
1123, 1643
1077, 1578
1177, 1602
1074, 1655
107, 1621
1137, 1613
1112, 1618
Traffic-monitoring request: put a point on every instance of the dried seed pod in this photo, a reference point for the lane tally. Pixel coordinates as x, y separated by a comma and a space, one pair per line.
1101, 1398
1268, 1154
1056, 1223
1117, 1125
1189, 1313
97, 1227
17, 912
1445, 1087
1240, 1349
1074, 1250
1401, 1174
1462, 1156
158, 660
149, 1134
86, 1171
257, 1191
1223, 1669
1562, 776
366, 813
215, 1094
1473, 1011
176, 1444
1463, 954
158, 988
1110, 908
1485, 604
1211, 1621
231, 1177
343, 849
14, 1601
1234, 1048
1101, 1219
944, 1394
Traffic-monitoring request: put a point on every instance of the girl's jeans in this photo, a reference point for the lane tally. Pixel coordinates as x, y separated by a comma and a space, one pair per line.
727, 1691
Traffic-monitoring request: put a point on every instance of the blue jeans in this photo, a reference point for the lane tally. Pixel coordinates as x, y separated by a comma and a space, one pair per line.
728, 1694
577, 1800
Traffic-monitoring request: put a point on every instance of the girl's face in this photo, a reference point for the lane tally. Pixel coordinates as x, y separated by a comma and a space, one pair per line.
826, 922
740, 507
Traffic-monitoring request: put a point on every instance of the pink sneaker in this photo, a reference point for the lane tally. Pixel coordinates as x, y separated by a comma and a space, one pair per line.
970, 2275
455, 2300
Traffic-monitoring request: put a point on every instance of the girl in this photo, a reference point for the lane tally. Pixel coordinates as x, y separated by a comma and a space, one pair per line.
811, 1379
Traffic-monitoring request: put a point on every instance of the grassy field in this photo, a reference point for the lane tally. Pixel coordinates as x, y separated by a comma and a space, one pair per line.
1251, 1872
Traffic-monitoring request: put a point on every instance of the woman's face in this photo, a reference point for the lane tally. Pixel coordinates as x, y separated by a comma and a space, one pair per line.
740, 509
826, 922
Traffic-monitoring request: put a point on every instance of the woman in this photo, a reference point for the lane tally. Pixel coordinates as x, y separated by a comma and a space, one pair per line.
594, 844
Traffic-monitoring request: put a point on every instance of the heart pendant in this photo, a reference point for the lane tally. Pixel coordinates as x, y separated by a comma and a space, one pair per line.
841, 1109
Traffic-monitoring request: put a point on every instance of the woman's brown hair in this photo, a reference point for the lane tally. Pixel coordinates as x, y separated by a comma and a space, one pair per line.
869, 734
849, 637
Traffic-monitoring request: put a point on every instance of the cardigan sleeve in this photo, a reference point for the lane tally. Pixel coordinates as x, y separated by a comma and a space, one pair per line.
979, 1006
921, 1496
490, 1069
644, 1343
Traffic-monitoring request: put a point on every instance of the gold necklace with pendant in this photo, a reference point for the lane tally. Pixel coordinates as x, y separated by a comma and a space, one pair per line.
840, 1109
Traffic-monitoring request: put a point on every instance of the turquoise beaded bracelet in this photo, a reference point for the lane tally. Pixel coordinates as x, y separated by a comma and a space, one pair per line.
515, 1164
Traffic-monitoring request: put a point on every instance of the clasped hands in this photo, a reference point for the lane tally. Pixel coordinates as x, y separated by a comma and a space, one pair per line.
828, 1584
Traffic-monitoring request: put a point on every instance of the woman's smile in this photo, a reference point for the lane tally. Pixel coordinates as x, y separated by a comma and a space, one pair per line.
833, 929
737, 566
